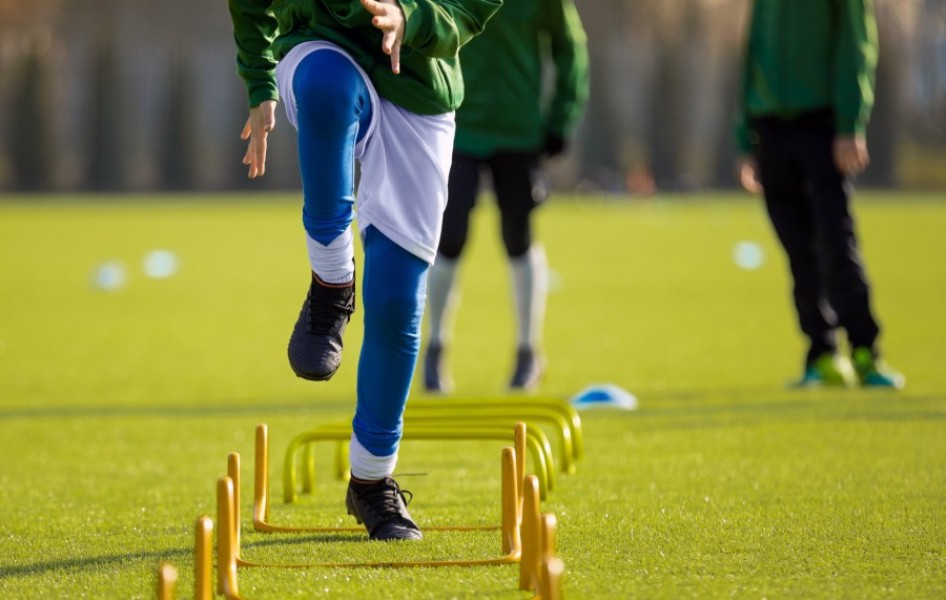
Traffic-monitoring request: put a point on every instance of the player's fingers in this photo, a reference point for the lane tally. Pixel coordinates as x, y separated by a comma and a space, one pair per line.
247, 130
248, 160
396, 58
387, 42
259, 158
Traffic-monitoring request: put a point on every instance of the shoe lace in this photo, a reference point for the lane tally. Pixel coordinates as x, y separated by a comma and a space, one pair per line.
323, 317
324, 314
382, 499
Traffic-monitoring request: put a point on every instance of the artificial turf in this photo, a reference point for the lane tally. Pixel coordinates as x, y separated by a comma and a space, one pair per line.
118, 408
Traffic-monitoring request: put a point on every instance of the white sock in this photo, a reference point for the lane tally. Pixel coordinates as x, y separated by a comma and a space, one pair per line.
367, 466
333, 263
442, 298
530, 275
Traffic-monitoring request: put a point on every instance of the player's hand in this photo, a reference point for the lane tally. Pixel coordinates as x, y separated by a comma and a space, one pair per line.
262, 120
389, 18
747, 172
850, 154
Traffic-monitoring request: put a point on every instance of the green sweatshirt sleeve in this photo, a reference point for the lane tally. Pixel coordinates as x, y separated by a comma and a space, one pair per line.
254, 29
439, 28
855, 65
569, 50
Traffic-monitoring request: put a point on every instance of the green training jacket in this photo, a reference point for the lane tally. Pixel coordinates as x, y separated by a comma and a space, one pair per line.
506, 106
805, 55
430, 81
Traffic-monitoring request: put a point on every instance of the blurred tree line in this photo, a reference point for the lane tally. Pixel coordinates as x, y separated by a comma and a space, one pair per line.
134, 96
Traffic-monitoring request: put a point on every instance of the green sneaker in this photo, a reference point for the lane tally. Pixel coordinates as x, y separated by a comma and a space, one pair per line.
873, 372
829, 369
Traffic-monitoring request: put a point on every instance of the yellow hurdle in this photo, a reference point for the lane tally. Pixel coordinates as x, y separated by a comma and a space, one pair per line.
564, 422
261, 487
507, 406
228, 536
536, 442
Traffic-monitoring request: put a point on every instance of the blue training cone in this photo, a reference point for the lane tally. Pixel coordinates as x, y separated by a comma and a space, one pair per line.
604, 395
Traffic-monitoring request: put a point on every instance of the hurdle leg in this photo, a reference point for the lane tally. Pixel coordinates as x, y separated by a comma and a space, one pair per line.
233, 472
167, 581
203, 559
261, 476
550, 567
529, 563
512, 543
226, 540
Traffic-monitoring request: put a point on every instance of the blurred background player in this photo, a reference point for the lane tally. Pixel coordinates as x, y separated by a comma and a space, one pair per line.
512, 117
808, 90
399, 124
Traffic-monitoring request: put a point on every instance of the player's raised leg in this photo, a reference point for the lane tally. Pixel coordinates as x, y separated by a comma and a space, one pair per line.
332, 109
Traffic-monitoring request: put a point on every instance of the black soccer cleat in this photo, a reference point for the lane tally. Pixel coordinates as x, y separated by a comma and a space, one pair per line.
381, 507
528, 371
436, 379
315, 347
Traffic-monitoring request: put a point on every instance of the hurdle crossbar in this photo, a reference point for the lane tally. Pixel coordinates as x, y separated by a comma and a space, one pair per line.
536, 442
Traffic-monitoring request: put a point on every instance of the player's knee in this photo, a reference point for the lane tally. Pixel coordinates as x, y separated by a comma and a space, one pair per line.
327, 84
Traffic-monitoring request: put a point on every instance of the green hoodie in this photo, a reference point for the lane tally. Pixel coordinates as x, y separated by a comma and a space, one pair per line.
807, 55
430, 81
505, 107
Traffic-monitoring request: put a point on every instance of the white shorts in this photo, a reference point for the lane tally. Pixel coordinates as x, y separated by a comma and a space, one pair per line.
405, 163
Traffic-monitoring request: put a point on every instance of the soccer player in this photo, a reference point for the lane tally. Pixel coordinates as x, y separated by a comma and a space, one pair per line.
808, 90
506, 125
377, 82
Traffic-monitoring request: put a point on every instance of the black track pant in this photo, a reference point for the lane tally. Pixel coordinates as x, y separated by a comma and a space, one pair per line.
809, 204
519, 188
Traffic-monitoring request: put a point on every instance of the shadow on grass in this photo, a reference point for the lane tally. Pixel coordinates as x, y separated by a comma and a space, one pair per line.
95, 562
180, 554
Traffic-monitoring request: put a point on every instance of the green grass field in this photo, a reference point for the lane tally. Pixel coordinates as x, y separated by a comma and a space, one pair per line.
117, 409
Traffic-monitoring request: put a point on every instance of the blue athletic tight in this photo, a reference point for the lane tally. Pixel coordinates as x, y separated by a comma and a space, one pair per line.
334, 110
394, 289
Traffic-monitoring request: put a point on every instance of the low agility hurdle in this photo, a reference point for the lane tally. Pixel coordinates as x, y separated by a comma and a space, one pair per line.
228, 557
442, 419
562, 417
464, 407
527, 536
536, 442
261, 488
